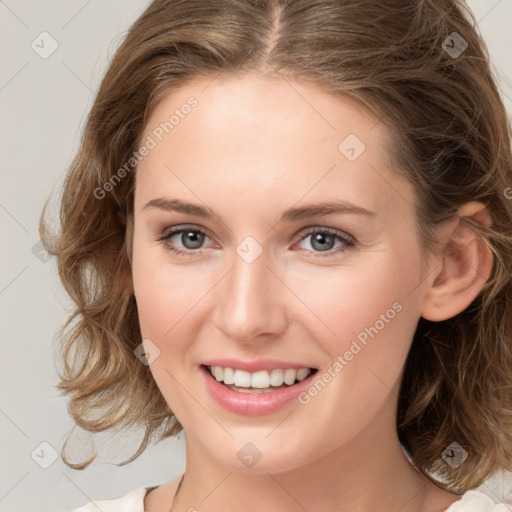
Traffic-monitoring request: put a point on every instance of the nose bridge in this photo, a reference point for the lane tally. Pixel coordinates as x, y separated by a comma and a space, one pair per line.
250, 301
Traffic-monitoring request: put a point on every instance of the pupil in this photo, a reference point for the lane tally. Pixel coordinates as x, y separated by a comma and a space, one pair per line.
326, 241
192, 239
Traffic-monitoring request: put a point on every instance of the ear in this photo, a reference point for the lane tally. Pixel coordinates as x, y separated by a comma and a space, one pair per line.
121, 217
465, 264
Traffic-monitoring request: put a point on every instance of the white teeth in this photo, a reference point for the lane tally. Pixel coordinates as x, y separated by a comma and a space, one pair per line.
276, 377
241, 378
303, 373
229, 375
289, 376
218, 373
261, 379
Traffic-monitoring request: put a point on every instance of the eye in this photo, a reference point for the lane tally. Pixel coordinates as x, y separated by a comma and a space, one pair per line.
191, 238
324, 240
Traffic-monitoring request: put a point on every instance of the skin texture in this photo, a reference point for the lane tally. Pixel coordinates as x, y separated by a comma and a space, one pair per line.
254, 146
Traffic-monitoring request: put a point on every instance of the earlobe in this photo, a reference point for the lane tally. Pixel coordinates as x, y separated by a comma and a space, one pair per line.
464, 265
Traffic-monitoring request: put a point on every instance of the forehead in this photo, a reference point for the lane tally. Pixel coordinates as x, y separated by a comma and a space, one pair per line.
249, 135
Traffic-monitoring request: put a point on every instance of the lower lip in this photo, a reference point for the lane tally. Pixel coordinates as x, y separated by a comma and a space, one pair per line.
253, 404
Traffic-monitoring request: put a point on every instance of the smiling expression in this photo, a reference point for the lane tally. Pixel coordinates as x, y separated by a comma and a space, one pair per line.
260, 239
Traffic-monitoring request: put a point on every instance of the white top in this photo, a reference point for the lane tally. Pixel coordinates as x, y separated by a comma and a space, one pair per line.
471, 501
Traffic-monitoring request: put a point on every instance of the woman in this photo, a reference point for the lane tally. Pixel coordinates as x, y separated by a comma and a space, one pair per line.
287, 232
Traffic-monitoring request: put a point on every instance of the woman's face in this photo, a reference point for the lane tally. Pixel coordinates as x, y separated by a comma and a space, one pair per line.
269, 278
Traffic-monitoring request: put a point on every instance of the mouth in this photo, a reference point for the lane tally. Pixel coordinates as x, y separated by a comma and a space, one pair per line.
262, 381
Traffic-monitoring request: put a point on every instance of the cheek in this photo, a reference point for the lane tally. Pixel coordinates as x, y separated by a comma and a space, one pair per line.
166, 297
165, 293
368, 316
347, 302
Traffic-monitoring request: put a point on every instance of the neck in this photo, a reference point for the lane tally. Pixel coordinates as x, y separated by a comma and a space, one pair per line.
370, 472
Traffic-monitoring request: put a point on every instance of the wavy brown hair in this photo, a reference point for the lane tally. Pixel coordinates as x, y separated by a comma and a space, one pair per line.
450, 136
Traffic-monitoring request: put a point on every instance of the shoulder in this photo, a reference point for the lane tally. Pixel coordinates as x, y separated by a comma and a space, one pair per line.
475, 501
131, 502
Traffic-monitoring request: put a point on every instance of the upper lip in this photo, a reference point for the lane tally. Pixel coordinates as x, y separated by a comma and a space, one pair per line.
255, 365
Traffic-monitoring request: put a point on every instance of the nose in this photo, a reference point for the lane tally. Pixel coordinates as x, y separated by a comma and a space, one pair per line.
251, 301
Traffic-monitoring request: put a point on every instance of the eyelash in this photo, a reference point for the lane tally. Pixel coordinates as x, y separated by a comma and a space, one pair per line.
348, 241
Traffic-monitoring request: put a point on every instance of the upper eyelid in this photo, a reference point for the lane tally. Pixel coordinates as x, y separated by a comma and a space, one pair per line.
175, 230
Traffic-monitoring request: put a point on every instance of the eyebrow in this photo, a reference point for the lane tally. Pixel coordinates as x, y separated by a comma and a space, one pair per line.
294, 213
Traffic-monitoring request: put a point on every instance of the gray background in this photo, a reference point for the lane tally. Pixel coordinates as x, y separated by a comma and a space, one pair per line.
43, 103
